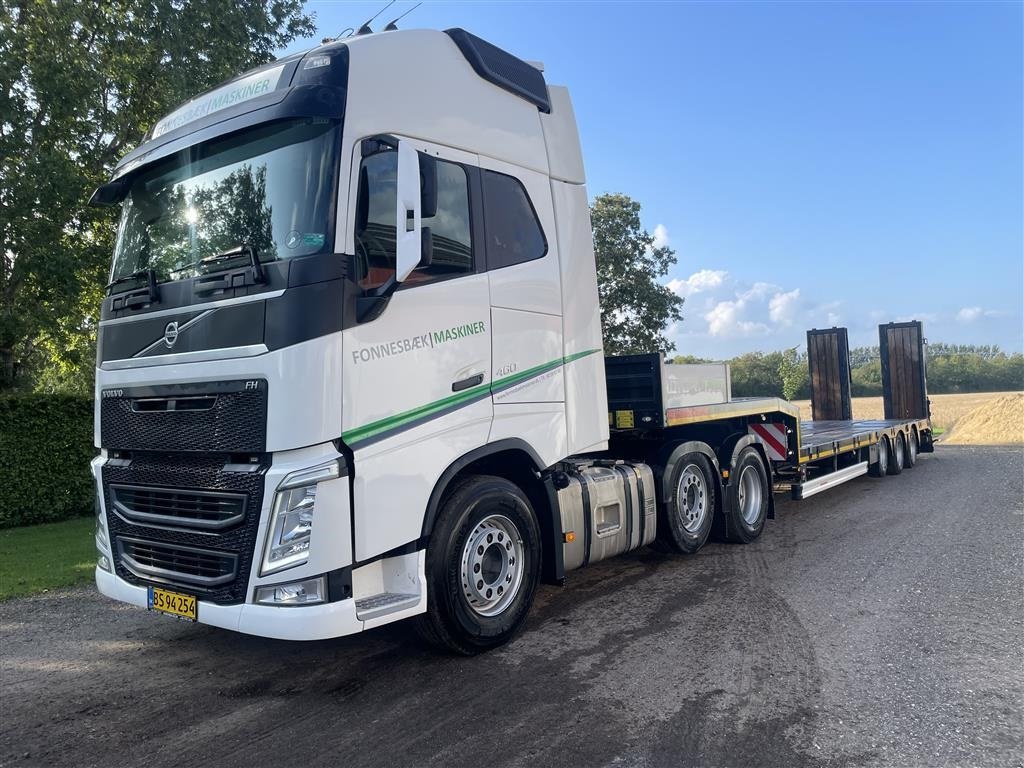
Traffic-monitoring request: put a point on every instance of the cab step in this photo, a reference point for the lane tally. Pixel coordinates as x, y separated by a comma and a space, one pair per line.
375, 606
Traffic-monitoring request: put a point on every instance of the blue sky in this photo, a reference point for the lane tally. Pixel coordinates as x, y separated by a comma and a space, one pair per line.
812, 164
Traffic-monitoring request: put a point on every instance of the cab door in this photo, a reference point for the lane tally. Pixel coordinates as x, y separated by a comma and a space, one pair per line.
526, 308
417, 375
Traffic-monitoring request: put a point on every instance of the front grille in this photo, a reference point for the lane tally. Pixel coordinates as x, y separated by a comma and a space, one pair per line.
174, 564
206, 510
185, 549
220, 416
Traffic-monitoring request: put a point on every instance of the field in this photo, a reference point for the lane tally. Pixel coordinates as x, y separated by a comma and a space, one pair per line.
947, 410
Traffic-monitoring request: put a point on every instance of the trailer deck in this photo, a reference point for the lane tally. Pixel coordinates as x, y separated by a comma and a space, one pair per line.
822, 439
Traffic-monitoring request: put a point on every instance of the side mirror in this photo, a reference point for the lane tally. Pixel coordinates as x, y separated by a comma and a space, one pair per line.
408, 213
113, 192
428, 186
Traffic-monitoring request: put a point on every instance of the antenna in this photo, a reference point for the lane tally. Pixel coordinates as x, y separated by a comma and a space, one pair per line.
346, 32
365, 28
392, 26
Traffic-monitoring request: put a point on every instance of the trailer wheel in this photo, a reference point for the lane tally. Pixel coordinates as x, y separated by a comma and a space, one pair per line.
746, 498
881, 467
482, 569
913, 447
899, 455
684, 521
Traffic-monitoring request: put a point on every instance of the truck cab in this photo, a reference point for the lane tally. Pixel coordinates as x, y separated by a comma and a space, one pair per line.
344, 283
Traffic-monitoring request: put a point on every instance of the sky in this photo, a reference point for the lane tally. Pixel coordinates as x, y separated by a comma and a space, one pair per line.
811, 164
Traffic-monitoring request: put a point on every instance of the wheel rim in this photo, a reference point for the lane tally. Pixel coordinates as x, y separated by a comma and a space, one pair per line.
492, 565
749, 494
913, 448
883, 455
692, 498
899, 452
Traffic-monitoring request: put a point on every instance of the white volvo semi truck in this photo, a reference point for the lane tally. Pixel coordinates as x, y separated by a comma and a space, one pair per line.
350, 365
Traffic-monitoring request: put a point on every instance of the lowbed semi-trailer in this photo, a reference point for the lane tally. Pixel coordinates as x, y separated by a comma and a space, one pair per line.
350, 368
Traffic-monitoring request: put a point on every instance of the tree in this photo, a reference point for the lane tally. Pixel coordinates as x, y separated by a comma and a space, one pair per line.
635, 308
80, 83
794, 373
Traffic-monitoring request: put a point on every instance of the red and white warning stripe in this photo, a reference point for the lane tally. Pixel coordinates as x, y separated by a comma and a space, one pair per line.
774, 439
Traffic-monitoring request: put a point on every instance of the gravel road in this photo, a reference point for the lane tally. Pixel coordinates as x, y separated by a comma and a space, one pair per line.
880, 623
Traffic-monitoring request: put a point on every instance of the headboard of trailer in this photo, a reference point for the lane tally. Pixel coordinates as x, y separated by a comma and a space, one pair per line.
643, 390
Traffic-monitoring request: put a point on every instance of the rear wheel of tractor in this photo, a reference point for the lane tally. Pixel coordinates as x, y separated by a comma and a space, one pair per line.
684, 522
913, 447
881, 467
899, 455
483, 565
746, 498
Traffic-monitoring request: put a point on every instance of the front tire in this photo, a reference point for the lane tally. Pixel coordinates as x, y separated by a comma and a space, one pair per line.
746, 498
483, 566
685, 520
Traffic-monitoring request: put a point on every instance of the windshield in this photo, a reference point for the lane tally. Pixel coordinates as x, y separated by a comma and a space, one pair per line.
269, 188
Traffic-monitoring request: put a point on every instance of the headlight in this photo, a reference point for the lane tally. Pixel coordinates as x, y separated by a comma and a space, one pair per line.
291, 523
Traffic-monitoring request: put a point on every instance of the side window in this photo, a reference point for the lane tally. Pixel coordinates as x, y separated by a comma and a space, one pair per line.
375, 219
514, 234
375, 223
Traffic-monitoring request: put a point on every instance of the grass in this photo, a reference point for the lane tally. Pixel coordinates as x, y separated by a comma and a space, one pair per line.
36, 558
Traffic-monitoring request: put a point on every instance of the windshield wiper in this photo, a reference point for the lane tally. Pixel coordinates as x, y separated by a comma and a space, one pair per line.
135, 301
218, 280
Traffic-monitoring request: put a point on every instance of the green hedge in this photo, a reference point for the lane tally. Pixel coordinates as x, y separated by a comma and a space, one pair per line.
45, 450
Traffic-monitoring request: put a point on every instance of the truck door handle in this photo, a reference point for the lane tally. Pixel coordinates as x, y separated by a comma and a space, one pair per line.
472, 381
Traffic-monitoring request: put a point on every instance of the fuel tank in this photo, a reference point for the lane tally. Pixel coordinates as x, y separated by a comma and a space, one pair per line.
607, 508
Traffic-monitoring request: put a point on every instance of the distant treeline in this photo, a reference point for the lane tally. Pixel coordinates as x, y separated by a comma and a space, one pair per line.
951, 368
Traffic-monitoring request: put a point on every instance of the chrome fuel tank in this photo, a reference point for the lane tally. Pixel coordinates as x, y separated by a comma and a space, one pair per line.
606, 508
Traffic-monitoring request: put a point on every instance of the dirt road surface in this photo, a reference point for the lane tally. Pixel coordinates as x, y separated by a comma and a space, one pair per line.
877, 624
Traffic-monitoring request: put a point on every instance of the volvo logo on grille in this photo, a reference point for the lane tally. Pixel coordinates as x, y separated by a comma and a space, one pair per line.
170, 334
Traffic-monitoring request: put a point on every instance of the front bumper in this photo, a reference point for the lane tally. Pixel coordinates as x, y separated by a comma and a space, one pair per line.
309, 622
306, 622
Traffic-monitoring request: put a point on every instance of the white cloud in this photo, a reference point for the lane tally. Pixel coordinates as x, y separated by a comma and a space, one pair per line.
723, 309
782, 307
970, 314
660, 236
699, 282
726, 319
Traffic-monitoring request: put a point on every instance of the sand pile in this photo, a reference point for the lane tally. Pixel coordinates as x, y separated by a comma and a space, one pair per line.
1000, 421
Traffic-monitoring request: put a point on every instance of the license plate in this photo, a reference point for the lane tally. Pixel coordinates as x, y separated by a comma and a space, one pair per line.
173, 603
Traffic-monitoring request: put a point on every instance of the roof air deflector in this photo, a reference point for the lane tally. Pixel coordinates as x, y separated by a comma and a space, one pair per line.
503, 69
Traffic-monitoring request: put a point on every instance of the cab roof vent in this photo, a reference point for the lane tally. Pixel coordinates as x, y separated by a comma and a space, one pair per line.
503, 69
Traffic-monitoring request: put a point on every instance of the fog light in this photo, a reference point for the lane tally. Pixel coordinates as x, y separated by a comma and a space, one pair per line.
103, 563
305, 592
